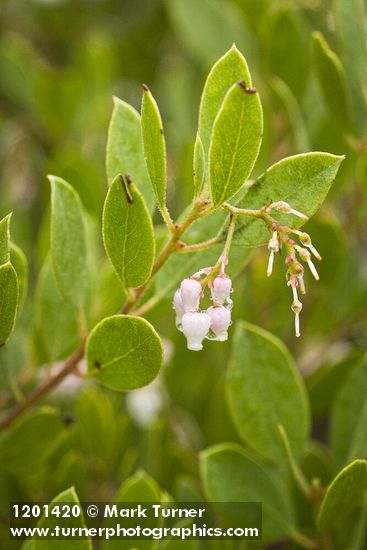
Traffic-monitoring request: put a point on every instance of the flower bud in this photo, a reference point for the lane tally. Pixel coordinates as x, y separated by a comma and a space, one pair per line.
190, 294
195, 326
220, 319
296, 306
178, 307
306, 241
283, 206
304, 254
221, 289
273, 244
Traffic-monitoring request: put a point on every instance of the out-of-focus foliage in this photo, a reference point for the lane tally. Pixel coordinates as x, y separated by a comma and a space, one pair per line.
61, 63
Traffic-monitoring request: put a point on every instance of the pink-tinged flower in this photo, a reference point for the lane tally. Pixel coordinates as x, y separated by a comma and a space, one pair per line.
220, 319
195, 326
190, 294
221, 289
178, 307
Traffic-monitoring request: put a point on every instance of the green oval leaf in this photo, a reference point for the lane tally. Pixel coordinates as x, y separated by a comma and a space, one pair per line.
138, 488
332, 79
128, 233
154, 146
301, 180
56, 325
5, 240
348, 422
68, 243
68, 497
198, 166
124, 153
345, 493
229, 69
264, 389
8, 300
235, 142
230, 475
124, 352
31, 441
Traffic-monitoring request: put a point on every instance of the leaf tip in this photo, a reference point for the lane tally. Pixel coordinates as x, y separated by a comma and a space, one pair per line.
8, 217
51, 178
145, 88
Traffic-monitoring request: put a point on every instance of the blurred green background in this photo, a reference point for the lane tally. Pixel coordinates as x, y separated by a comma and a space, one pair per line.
61, 61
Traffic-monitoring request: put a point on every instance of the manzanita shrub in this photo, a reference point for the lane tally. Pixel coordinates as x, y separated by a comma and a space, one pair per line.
192, 261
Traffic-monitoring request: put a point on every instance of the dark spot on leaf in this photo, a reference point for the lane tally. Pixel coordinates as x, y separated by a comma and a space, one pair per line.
126, 182
161, 131
67, 419
242, 85
97, 364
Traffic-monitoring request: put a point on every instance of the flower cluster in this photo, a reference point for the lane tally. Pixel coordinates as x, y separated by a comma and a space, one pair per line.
197, 324
295, 270
213, 323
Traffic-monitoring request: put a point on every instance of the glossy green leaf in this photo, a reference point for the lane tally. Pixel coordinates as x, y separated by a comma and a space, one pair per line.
199, 166
302, 180
19, 262
265, 389
68, 497
4, 240
235, 143
332, 79
31, 441
229, 474
8, 300
55, 323
128, 233
230, 68
154, 146
69, 243
344, 495
348, 423
124, 352
124, 154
